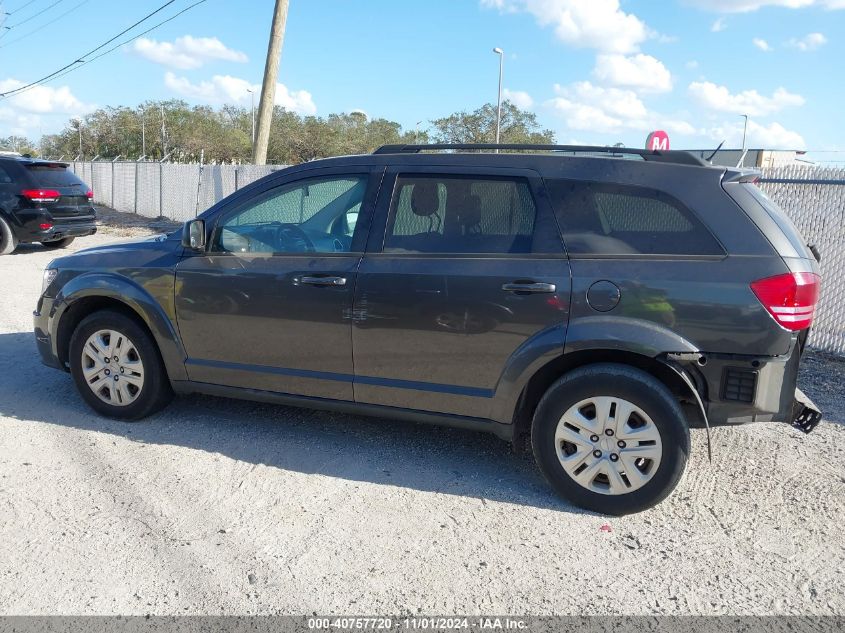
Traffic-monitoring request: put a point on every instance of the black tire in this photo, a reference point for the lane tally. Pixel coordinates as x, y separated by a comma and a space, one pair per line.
155, 393
62, 243
8, 239
637, 387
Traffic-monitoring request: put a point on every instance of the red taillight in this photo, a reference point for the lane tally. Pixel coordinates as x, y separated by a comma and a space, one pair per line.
41, 195
45, 226
790, 298
89, 194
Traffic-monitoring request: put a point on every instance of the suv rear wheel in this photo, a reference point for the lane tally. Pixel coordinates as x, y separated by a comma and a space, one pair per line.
8, 241
117, 367
610, 438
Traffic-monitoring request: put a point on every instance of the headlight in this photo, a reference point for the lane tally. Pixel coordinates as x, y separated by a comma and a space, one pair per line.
47, 279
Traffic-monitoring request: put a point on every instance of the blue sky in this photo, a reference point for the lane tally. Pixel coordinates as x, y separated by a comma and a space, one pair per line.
594, 71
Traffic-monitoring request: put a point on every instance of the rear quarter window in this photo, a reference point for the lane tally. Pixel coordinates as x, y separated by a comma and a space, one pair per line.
611, 219
777, 214
5, 178
53, 176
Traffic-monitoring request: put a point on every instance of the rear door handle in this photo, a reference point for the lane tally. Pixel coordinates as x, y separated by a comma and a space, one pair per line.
529, 287
320, 281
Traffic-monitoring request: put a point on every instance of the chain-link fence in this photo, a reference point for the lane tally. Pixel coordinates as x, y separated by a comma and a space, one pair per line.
175, 191
813, 197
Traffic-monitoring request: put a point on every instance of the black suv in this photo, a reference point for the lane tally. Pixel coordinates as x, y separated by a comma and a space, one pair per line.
41, 201
597, 301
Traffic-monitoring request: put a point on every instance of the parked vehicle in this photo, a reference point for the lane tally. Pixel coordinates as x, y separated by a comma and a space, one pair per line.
596, 301
41, 201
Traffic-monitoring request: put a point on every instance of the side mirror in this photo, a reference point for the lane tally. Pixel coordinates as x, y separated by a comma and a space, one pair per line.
193, 235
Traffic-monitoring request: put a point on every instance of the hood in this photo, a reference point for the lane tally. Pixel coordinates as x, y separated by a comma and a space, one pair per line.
137, 252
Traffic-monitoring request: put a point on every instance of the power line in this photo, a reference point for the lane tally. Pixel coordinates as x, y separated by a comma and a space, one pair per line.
46, 24
30, 18
23, 6
9, 93
116, 46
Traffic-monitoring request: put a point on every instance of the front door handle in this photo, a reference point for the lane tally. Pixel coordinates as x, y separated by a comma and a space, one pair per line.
320, 281
529, 287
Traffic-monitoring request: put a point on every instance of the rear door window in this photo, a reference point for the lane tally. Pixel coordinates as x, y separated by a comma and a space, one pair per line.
53, 176
611, 219
5, 178
461, 215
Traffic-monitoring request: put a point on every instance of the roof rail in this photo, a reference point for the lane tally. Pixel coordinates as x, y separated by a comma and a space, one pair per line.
670, 156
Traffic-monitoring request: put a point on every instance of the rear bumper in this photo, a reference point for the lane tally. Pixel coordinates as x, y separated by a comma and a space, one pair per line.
29, 222
737, 389
61, 231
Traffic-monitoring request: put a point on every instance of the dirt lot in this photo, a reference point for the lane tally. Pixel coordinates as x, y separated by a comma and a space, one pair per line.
217, 506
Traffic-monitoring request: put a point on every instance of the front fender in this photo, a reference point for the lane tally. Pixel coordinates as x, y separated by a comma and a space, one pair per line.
134, 296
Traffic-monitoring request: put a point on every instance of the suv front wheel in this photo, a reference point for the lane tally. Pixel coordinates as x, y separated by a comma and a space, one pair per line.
611, 438
117, 368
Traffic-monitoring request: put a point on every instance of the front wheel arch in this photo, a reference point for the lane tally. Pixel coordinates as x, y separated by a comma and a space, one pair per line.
80, 309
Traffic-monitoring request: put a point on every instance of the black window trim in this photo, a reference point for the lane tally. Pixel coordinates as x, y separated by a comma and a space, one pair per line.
381, 216
639, 256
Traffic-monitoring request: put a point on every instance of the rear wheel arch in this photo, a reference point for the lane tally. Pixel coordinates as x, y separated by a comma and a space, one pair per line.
551, 372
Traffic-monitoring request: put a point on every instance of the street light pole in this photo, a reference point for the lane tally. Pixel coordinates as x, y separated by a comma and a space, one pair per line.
501, 55
252, 99
744, 131
79, 128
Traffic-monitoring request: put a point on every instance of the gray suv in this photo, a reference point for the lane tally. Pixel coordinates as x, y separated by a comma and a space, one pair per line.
591, 302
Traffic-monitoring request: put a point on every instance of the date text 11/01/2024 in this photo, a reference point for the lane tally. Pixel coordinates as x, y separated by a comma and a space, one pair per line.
417, 623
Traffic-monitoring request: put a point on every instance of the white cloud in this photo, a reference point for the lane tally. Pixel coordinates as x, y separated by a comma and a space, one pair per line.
809, 42
745, 6
43, 99
599, 24
639, 72
772, 136
519, 98
587, 107
24, 113
228, 89
186, 52
762, 44
750, 102
719, 25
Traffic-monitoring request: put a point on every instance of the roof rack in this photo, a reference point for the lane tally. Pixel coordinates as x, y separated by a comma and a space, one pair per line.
670, 156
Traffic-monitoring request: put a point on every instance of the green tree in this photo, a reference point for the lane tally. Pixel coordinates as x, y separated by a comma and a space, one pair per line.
479, 126
19, 144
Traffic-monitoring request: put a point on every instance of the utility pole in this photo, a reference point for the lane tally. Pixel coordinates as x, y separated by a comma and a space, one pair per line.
268, 87
143, 135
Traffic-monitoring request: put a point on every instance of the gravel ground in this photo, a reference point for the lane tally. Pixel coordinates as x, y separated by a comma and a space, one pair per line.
217, 506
